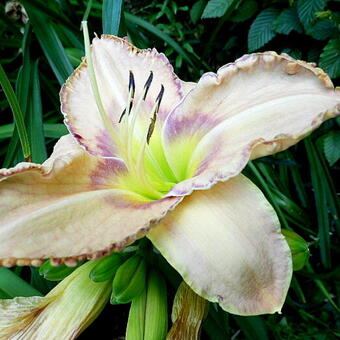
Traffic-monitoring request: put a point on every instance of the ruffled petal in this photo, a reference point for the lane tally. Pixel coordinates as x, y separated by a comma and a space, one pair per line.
70, 207
113, 59
259, 105
226, 244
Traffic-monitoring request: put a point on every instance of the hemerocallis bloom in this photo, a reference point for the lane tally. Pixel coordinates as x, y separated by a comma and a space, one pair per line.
60, 315
149, 154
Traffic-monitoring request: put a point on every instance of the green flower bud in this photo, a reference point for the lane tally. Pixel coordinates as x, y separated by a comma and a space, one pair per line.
53, 273
129, 281
106, 268
148, 317
298, 247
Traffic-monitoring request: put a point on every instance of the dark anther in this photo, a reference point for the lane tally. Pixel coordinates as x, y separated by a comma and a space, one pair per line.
151, 128
132, 88
147, 85
132, 85
122, 115
153, 119
159, 98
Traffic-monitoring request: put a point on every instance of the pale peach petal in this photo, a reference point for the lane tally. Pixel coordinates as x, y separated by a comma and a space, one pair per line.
71, 206
259, 105
113, 58
226, 244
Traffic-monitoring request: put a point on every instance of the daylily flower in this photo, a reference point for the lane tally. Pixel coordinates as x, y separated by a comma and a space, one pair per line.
62, 314
143, 150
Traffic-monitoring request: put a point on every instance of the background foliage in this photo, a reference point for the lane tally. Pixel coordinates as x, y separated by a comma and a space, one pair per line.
197, 36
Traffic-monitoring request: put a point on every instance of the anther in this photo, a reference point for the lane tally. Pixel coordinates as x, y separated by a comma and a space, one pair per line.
132, 85
151, 128
132, 89
122, 115
159, 98
147, 85
154, 117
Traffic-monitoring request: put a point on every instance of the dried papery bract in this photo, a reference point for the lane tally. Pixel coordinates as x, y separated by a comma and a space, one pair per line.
188, 313
61, 315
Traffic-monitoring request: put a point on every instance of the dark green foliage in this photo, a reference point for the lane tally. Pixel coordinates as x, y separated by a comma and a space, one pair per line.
261, 30
308, 9
197, 36
287, 21
330, 57
216, 8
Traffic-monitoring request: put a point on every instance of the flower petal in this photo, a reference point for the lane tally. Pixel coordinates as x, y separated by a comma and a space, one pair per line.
226, 244
70, 207
259, 105
113, 59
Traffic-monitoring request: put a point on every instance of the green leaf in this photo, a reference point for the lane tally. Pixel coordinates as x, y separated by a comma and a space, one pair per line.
55, 130
330, 58
307, 9
17, 113
245, 11
34, 118
216, 8
74, 55
197, 10
261, 29
111, 15
331, 146
50, 130
287, 21
321, 192
295, 53
156, 31
6, 131
253, 327
322, 30
50, 43
13, 285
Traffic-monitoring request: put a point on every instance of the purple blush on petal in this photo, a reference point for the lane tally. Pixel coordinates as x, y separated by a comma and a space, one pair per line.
198, 122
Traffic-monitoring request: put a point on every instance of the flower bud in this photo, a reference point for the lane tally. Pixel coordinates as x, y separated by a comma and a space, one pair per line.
129, 281
106, 268
298, 247
148, 317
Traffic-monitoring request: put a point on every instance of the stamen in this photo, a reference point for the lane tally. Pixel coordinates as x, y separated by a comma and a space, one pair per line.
132, 90
147, 85
154, 117
121, 116
132, 84
94, 85
159, 98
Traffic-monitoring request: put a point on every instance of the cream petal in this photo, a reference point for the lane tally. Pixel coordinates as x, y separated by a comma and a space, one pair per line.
259, 105
226, 244
113, 58
70, 207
